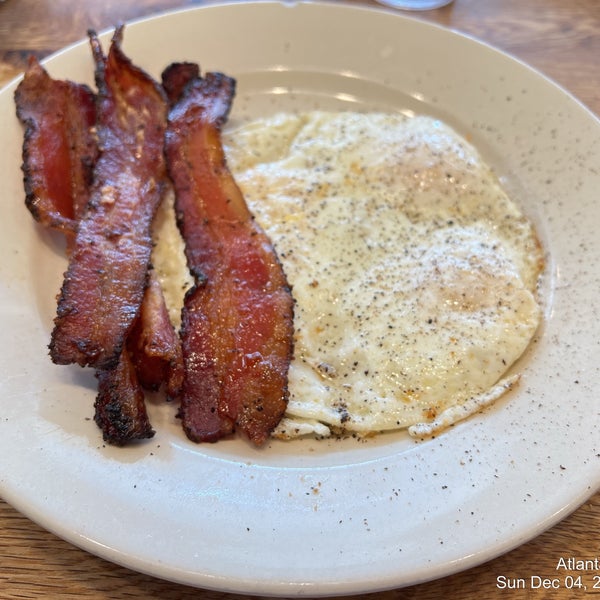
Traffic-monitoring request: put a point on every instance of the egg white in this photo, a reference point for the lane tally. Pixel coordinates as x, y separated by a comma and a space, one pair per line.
414, 274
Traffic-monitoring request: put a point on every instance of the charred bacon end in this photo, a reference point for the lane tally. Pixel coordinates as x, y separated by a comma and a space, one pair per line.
120, 409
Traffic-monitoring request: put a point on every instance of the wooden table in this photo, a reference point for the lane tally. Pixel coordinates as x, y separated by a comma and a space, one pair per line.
561, 38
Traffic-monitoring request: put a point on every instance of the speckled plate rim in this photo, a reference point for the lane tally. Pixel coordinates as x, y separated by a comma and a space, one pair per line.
322, 518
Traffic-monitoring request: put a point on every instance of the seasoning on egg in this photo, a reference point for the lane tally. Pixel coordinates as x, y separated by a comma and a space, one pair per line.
414, 274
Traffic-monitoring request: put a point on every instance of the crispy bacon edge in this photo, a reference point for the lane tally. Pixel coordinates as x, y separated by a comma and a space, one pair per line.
237, 320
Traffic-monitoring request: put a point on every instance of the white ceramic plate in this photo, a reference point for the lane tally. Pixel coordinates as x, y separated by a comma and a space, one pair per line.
322, 517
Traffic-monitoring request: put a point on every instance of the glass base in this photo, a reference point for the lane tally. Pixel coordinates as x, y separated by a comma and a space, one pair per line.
415, 4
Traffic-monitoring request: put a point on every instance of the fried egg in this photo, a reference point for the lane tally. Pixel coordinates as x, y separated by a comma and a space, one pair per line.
414, 274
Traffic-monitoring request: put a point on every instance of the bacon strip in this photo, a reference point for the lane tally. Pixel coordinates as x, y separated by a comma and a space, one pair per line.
237, 321
104, 285
59, 148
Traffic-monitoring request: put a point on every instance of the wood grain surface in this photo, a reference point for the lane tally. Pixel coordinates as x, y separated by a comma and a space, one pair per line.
561, 38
